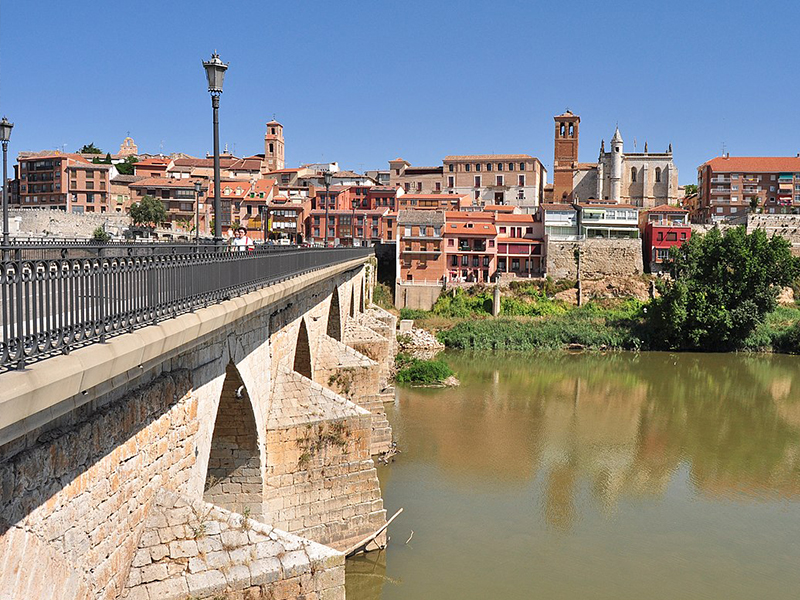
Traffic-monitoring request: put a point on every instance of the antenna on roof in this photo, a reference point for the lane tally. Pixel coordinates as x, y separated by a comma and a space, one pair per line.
723, 148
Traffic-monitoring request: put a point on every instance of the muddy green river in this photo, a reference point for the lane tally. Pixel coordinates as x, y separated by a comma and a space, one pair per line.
584, 476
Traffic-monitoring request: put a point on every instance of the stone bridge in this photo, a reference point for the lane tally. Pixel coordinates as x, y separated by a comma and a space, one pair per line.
224, 452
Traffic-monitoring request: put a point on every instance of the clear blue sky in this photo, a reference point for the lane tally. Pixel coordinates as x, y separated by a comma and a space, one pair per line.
364, 82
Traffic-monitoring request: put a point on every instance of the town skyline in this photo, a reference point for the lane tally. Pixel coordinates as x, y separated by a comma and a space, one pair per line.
363, 87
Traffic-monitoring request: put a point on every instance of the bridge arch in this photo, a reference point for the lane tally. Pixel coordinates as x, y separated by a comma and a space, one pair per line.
302, 352
234, 475
335, 317
352, 300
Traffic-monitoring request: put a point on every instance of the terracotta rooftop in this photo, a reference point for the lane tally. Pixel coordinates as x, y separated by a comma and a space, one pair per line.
471, 228
754, 164
204, 162
90, 166
514, 219
557, 207
505, 208
667, 208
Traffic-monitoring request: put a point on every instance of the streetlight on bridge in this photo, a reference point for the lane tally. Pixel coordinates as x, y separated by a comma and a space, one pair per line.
215, 73
5, 136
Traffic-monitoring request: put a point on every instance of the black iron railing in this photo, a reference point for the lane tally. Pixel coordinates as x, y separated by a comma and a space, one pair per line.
54, 298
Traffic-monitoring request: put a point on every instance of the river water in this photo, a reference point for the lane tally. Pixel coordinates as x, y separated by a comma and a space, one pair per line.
585, 476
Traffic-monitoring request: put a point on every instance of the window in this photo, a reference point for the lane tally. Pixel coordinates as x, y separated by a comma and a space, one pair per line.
571, 130
561, 130
451, 167
719, 209
515, 264
510, 166
485, 261
465, 261
633, 174
734, 188
407, 231
477, 195
423, 231
451, 181
419, 186
734, 209
772, 188
478, 166
522, 166
271, 147
521, 181
672, 236
451, 242
477, 181
454, 261
502, 230
662, 253
438, 186
475, 261
499, 180
499, 166
488, 166
658, 174
467, 168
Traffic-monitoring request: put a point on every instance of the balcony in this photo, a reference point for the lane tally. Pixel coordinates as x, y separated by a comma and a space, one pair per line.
721, 180
751, 179
720, 191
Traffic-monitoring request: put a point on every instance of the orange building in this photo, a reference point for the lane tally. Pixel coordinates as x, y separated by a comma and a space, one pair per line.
420, 246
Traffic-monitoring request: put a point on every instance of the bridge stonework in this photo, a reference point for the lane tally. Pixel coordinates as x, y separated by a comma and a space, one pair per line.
214, 453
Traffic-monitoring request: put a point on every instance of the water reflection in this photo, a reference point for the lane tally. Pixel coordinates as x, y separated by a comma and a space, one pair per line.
597, 448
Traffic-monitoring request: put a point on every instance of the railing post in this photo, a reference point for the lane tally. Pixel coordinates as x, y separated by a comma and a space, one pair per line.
101, 297
20, 316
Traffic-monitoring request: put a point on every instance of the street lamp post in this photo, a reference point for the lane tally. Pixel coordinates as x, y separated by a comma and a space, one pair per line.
5, 135
327, 177
197, 187
215, 73
353, 226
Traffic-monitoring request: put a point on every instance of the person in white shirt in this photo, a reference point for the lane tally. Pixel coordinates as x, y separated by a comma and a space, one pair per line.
241, 241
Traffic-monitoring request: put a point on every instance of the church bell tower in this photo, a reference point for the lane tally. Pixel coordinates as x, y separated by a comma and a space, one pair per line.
565, 155
273, 148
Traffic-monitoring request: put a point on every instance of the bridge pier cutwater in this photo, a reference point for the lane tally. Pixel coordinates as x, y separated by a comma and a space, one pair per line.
223, 451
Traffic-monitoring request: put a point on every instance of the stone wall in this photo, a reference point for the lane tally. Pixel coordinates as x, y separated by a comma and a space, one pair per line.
56, 223
321, 481
192, 549
599, 258
416, 295
76, 498
787, 226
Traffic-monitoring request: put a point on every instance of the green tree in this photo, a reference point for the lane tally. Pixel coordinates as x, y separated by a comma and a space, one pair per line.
89, 149
690, 189
753, 204
148, 212
126, 167
100, 235
722, 288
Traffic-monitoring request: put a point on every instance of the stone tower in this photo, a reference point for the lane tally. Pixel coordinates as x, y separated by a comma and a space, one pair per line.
273, 148
616, 166
128, 147
565, 155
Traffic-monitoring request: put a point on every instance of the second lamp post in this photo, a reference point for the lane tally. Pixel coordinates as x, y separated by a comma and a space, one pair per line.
215, 72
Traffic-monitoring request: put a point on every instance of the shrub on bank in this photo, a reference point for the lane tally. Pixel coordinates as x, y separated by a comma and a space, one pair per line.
414, 370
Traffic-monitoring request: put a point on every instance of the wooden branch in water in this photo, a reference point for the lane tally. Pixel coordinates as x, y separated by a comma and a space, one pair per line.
362, 545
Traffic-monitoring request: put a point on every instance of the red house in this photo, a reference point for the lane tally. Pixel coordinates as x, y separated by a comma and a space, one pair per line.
664, 226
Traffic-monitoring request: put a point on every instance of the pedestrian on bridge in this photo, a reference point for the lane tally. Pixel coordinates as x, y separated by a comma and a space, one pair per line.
241, 240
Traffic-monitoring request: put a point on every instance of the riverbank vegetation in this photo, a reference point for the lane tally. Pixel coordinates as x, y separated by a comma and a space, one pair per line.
722, 297
413, 370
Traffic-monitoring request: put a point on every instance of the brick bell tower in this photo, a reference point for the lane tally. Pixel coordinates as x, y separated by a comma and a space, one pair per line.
273, 148
565, 155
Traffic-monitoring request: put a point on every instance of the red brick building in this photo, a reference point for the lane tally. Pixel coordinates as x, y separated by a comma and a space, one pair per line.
730, 185
470, 246
664, 227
